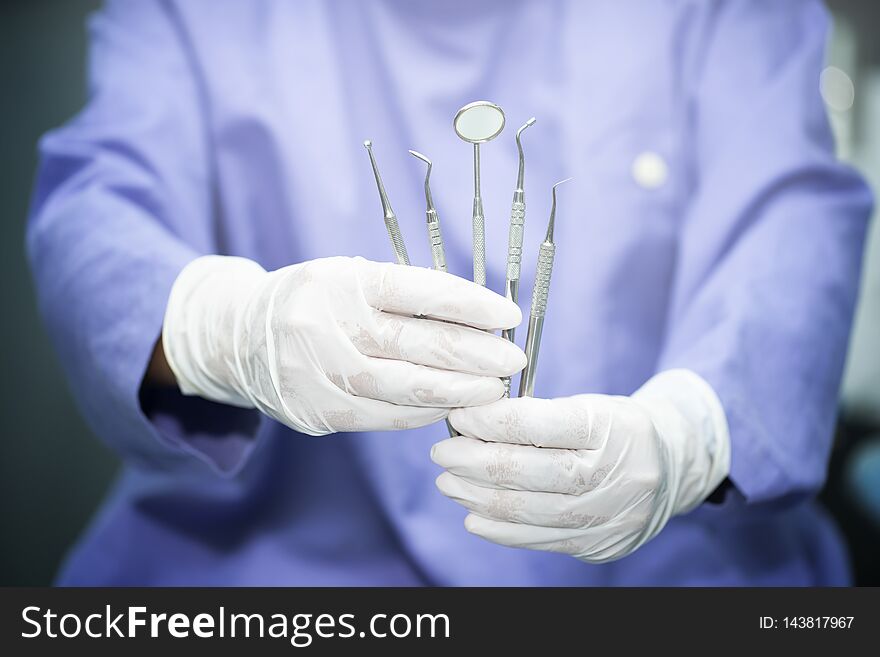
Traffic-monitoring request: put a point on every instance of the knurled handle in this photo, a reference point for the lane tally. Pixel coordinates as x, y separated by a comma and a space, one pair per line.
542, 279
479, 244
396, 240
515, 238
437, 253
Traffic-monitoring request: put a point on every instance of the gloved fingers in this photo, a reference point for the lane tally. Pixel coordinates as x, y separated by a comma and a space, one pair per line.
362, 414
406, 384
582, 422
532, 537
521, 467
609, 546
594, 545
522, 507
437, 344
418, 291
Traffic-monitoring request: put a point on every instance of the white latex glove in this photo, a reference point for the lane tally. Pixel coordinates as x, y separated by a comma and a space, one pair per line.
333, 345
593, 476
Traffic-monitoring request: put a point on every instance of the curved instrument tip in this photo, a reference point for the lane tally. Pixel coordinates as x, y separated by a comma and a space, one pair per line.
561, 182
525, 125
522, 165
552, 222
423, 158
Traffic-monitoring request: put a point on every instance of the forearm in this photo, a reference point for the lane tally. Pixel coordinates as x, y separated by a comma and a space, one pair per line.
158, 372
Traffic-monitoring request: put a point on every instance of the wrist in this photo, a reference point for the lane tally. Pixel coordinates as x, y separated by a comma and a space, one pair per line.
201, 319
692, 425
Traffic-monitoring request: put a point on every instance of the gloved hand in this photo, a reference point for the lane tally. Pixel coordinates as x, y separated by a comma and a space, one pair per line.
334, 345
593, 476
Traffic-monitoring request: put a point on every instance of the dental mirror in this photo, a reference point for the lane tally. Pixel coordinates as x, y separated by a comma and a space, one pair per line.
477, 123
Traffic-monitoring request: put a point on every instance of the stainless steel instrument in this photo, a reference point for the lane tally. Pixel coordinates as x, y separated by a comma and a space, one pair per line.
390, 219
477, 123
515, 240
438, 254
515, 236
546, 253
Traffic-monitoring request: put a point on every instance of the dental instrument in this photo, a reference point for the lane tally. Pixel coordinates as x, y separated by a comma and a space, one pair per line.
390, 219
541, 290
477, 123
515, 240
438, 255
515, 236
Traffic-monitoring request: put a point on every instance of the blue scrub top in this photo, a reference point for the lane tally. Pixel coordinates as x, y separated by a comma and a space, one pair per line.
709, 226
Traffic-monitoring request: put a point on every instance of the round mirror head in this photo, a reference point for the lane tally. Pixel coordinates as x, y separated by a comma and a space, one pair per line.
479, 122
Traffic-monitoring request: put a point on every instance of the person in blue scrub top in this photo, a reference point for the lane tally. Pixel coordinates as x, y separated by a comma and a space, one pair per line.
211, 263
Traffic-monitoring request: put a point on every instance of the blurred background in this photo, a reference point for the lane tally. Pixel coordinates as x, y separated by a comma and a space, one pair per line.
53, 472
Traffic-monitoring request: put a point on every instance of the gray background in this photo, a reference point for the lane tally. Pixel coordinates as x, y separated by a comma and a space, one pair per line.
54, 472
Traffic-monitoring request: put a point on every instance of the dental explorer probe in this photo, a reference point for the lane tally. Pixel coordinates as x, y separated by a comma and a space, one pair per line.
546, 252
515, 240
390, 219
515, 236
438, 255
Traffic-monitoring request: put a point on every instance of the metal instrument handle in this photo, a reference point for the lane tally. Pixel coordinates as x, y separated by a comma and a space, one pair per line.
511, 291
515, 237
542, 279
536, 317
533, 346
396, 239
514, 261
479, 243
438, 255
